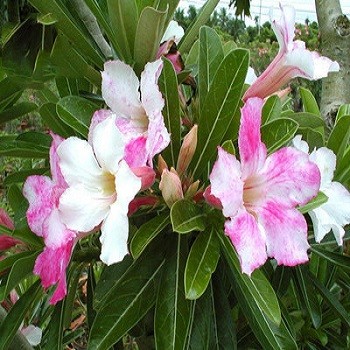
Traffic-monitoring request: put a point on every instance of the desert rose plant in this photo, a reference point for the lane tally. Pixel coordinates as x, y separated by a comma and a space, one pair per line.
173, 201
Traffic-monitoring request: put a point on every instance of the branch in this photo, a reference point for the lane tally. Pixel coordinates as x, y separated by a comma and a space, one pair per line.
92, 26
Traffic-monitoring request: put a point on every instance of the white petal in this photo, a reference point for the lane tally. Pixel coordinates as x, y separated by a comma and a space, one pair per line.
333, 214
114, 235
174, 31
33, 334
82, 209
251, 76
120, 89
78, 163
127, 185
300, 144
108, 144
326, 160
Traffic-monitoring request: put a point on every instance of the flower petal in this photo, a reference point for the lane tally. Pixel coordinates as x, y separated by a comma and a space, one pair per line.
291, 178
78, 163
98, 117
136, 152
51, 266
174, 31
248, 239
120, 89
40, 191
333, 214
56, 173
226, 182
286, 234
251, 150
300, 144
82, 209
108, 144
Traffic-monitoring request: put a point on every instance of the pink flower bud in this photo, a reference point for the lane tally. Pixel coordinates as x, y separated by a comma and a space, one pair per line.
146, 174
211, 199
170, 185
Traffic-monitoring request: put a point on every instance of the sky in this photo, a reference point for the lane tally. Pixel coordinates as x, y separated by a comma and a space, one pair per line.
304, 8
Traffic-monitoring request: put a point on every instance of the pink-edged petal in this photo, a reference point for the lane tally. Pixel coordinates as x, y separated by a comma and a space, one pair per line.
151, 97
226, 182
248, 239
326, 161
120, 89
290, 177
98, 117
78, 163
42, 195
251, 150
51, 266
56, 173
108, 144
114, 236
55, 233
286, 234
5, 219
136, 152
82, 209
282, 23
332, 215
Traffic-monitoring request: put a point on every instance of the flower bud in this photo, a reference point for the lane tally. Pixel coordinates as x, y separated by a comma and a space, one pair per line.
211, 199
170, 185
187, 150
147, 176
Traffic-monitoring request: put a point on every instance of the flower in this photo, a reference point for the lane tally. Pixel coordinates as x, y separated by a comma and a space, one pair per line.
44, 219
7, 241
293, 59
100, 187
335, 213
139, 119
259, 194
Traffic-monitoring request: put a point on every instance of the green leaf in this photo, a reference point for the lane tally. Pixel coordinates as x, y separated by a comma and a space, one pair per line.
272, 109
129, 300
258, 302
192, 32
173, 311
186, 217
21, 176
339, 138
305, 120
220, 107
343, 110
309, 102
277, 133
172, 114
10, 92
229, 147
20, 269
210, 56
148, 35
147, 232
123, 16
76, 112
201, 263
337, 259
342, 171
22, 149
320, 199
11, 259
15, 317
17, 111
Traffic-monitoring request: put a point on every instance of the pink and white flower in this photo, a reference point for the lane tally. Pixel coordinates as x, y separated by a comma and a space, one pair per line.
44, 219
335, 213
293, 59
139, 118
259, 195
100, 187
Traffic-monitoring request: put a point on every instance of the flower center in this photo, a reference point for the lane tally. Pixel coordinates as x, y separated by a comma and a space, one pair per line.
253, 191
108, 183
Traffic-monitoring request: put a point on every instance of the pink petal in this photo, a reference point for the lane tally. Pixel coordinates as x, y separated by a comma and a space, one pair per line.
286, 234
291, 178
5, 219
147, 176
248, 239
56, 173
211, 199
136, 153
120, 89
42, 195
251, 150
51, 266
226, 182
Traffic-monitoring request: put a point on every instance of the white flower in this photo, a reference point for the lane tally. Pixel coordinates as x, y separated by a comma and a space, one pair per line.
335, 213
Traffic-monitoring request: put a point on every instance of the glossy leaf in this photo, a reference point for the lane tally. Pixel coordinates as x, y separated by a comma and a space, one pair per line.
337, 259
17, 111
76, 112
305, 120
172, 114
272, 109
201, 263
21, 176
277, 133
173, 311
342, 111
309, 102
220, 107
186, 217
340, 136
147, 232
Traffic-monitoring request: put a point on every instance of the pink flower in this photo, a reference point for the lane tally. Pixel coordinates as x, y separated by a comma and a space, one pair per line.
44, 219
293, 60
139, 118
259, 194
7, 241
